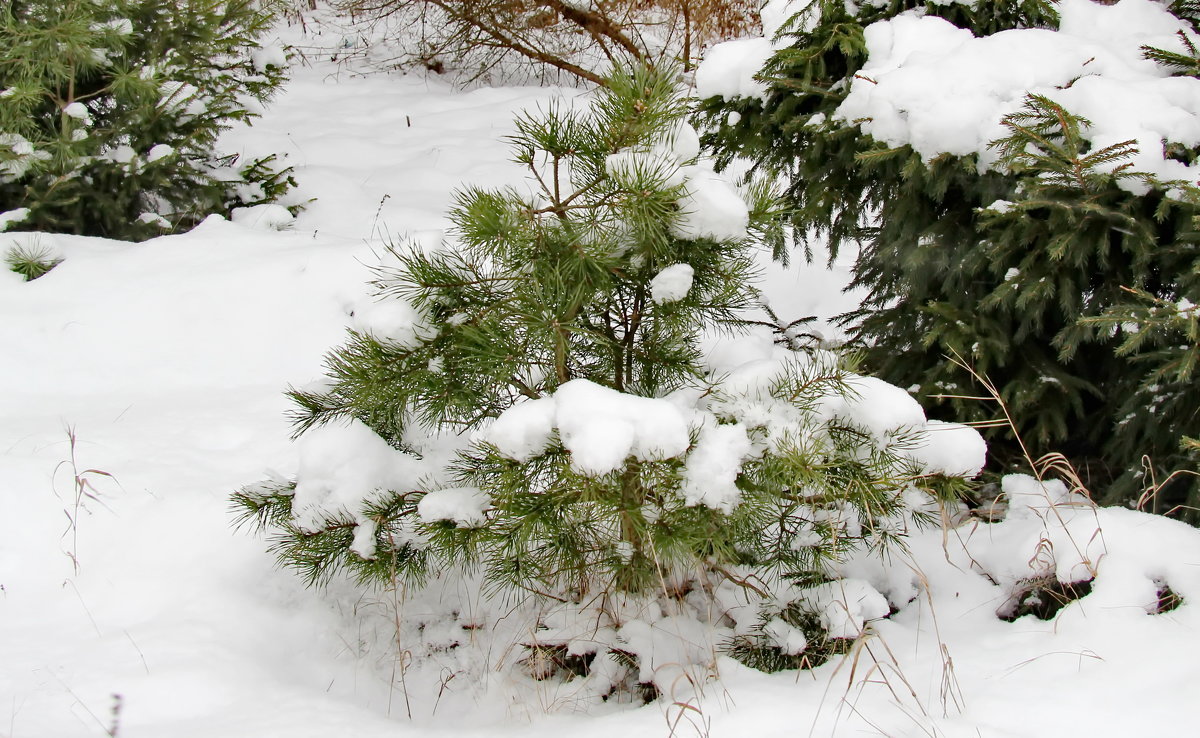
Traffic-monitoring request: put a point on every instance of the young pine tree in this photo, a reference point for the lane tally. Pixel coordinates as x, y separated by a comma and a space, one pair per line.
111, 111
557, 341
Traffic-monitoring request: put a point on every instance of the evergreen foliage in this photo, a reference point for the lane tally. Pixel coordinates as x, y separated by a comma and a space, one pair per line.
1009, 268
30, 260
111, 111
758, 651
550, 288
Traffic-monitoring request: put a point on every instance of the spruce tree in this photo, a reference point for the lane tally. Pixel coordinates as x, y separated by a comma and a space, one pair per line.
557, 340
112, 109
1007, 267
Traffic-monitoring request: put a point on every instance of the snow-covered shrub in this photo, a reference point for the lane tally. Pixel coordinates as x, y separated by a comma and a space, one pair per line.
1011, 170
531, 402
112, 108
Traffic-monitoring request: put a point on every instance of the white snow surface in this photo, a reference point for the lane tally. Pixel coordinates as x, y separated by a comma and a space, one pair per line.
166, 362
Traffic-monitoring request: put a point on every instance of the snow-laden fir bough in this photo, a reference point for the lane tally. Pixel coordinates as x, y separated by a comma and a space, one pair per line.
1009, 186
529, 401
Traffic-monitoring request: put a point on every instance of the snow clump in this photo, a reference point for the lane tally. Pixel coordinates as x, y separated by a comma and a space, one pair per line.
712, 469
728, 69
343, 467
270, 55
159, 151
601, 427
845, 606
12, 217
465, 506
671, 284
710, 207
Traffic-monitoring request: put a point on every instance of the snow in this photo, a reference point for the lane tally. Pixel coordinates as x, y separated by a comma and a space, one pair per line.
524, 430
941, 90
599, 426
880, 408
342, 467
713, 466
270, 216
936, 87
728, 69
393, 321
776, 14
602, 427
12, 217
845, 606
79, 112
269, 55
682, 144
159, 151
671, 284
710, 207
169, 358
951, 449
462, 505
788, 638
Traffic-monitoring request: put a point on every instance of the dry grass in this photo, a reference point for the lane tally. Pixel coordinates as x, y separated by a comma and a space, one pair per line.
83, 490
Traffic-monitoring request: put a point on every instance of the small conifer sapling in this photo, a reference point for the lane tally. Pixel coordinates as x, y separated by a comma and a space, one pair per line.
537, 393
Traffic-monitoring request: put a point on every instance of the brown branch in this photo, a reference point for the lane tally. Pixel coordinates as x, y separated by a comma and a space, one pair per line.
743, 583
513, 44
596, 24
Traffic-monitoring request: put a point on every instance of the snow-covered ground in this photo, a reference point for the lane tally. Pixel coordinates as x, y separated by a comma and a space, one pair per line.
142, 384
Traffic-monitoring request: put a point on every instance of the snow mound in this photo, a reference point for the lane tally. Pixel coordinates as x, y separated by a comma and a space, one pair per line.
268, 216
